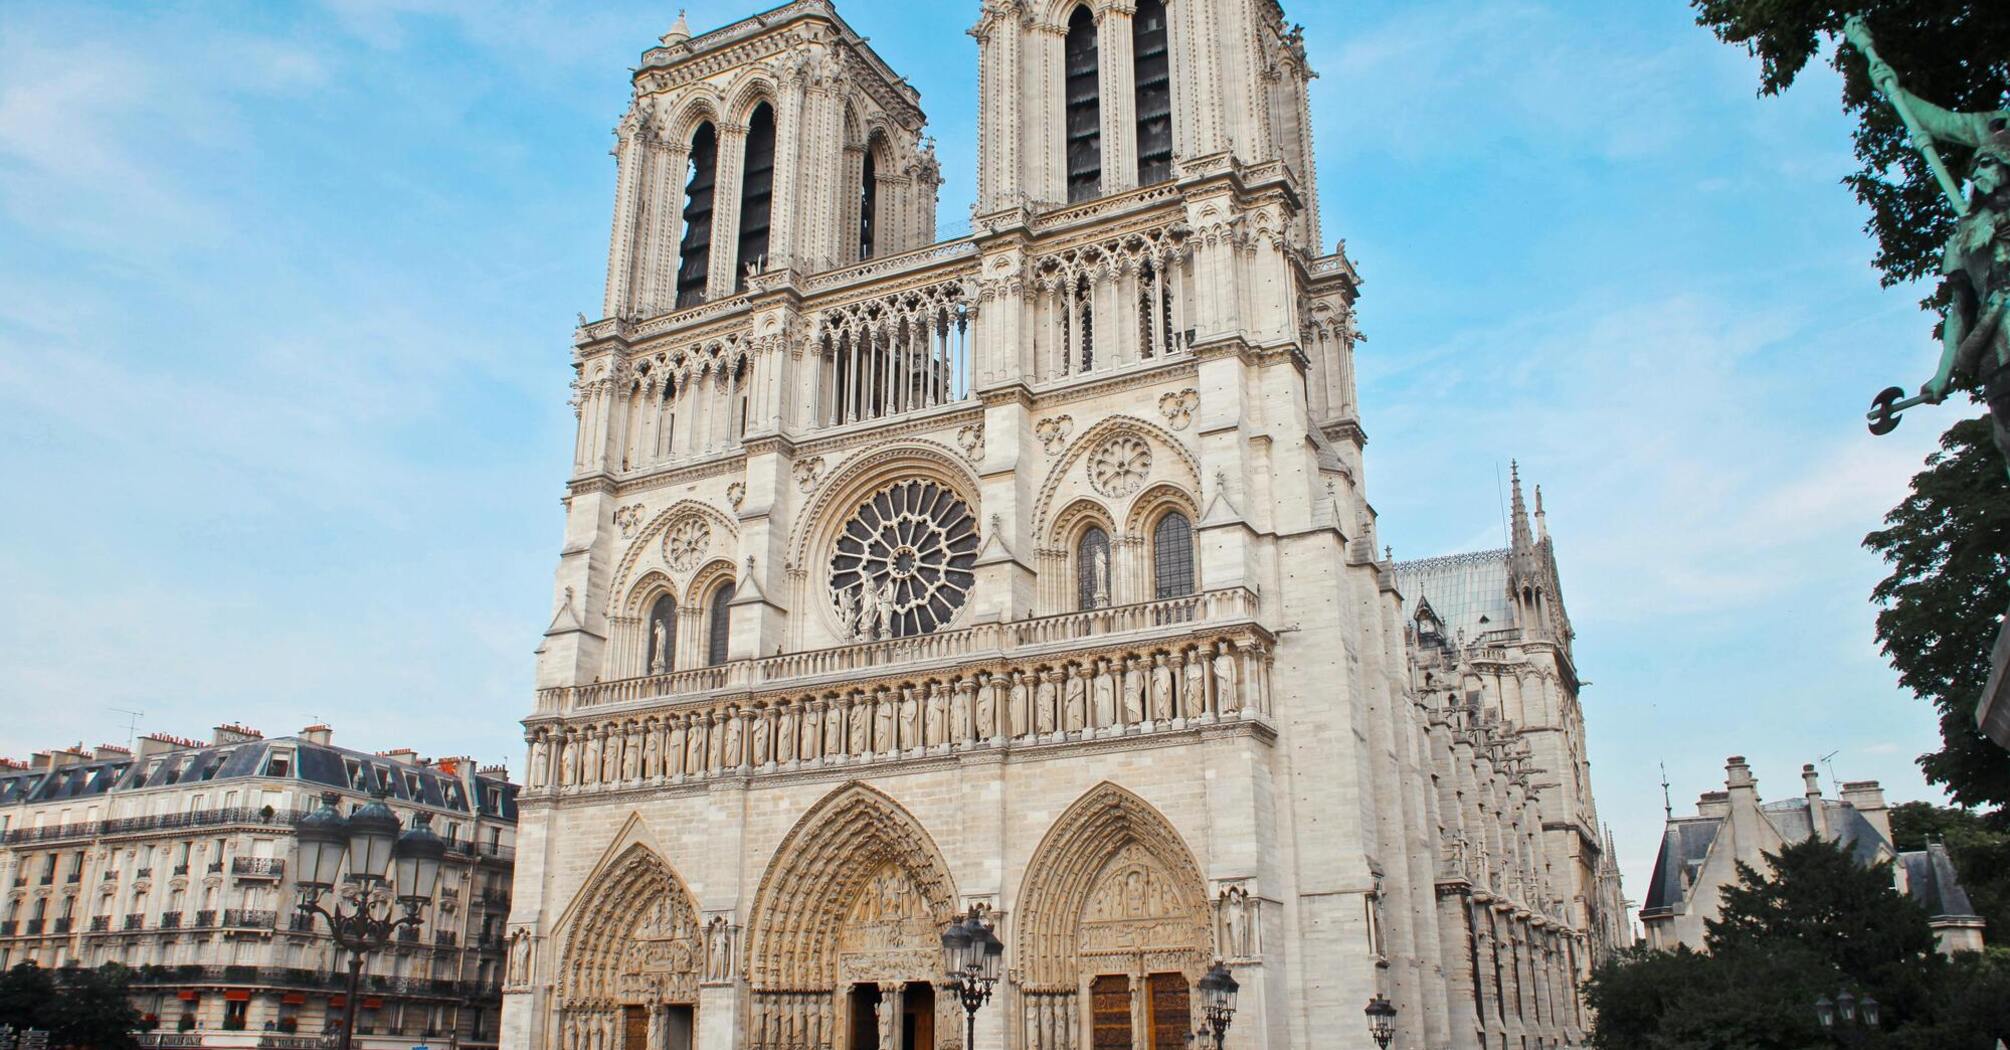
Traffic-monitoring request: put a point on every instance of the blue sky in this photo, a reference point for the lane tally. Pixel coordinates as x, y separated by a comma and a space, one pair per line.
286, 294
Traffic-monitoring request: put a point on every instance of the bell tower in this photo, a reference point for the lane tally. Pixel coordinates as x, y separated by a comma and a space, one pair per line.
783, 144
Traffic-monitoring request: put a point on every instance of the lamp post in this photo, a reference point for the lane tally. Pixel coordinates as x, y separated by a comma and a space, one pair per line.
1381, 1020
382, 864
1217, 999
1846, 1018
970, 957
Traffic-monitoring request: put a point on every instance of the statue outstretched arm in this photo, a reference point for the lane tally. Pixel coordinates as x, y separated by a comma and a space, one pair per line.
1925, 122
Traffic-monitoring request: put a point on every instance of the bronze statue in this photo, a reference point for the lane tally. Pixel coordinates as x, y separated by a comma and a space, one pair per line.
1975, 265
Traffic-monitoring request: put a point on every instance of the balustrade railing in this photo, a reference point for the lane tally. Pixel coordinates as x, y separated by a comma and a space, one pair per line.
886, 356
1034, 682
258, 867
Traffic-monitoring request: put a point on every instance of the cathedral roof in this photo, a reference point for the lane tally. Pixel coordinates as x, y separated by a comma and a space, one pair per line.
1468, 592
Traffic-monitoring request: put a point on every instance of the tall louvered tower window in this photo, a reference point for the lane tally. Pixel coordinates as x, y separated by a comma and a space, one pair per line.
1151, 80
868, 203
1085, 111
719, 625
695, 253
757, 193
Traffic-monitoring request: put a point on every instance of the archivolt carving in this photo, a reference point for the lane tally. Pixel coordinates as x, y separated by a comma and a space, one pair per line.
842, 850
647, 544
848, 486
686, 542
1118, 466
1179, 461
635, 939
1112, 875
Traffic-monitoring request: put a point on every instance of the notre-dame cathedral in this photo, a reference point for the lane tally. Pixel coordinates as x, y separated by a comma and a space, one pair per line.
1031, 570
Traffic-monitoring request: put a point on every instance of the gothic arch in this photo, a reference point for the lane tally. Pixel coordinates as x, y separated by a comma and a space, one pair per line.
1080, 513
678, 127
1155, 502
1105, 832
653, 584
750, 89
1181, 465
646, 552
823, 866
631, 936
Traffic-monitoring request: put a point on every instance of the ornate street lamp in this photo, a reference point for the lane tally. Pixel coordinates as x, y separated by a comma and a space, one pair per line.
1847, 1018
1381, 1021
1217, 999
370, 842
971, 954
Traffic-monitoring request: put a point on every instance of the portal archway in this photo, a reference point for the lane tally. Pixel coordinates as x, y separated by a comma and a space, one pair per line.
633, 955
844, 938
1110, 929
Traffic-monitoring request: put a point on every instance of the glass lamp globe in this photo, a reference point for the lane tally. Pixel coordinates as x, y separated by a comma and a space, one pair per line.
320, 842
373, 833
417, 857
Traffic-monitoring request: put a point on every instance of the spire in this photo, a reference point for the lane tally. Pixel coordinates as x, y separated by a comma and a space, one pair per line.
678, 33
1541, 521
1521, 538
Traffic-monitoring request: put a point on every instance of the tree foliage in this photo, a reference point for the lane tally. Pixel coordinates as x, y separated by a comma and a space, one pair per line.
78, 1007
1817, 923
1948, 545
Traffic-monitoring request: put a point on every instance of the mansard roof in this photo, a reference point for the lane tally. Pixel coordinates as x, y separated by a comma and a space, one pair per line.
1930, 880
1468, 592
1683, 846
315, 764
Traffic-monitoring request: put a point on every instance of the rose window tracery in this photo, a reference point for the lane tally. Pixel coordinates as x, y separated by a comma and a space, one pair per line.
685, 544
1119, 466
904, 562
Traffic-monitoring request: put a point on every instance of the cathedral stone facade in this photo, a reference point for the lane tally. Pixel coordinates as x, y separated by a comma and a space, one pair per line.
1029, 570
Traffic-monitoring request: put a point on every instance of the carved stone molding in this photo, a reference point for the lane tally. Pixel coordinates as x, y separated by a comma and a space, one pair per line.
629, 518
971, 440
1118, 466
1053, 433
686, 542
1178, 407
809, 472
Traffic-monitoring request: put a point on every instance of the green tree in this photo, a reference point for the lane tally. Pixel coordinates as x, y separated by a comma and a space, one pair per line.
78, 1007
1948, 545
1817, 922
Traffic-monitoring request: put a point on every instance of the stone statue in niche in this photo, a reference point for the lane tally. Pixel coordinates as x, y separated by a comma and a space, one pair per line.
673, 751
1134, 692
883, 738
935, 720
1225, 693
1162, 689
537, 764
567, 764
650, 753
861, 726
1017, 705
910, 720
592, 764
1099, 569
519, 956
631, 759
761, 734
966, 714
1043, 702
729, 757
659, 636
1196, 685
1074, 701
694, 749
1106, 695
986, 713
833, 730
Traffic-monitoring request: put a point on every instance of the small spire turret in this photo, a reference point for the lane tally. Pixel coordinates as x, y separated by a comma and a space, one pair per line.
679, 32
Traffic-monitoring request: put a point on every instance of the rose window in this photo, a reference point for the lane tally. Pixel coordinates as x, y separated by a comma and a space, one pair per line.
903, 564
1118, 468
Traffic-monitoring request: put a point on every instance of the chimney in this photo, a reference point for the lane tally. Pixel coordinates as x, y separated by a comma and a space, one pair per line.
1812, 788
1714, 804
1867, 798
232, 733
110, 752
404, 756
1738, 775
317, 734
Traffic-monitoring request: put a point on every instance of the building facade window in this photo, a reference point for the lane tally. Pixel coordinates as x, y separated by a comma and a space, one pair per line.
757, 194
1092, 569
868, 204
1151, 86
1084, 108
695, 253
1172, 557
719, 625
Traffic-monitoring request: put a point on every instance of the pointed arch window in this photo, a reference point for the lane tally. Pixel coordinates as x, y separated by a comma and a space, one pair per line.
662, 635
1172, 557
1151, 85
719, 624
695, 253
868, 204
1084, 108
757, 193
1092, 569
